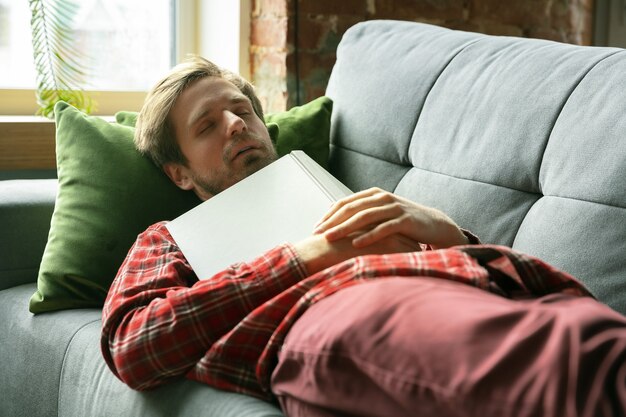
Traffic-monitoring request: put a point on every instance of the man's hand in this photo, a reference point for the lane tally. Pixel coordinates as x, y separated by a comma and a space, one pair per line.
377, 214
317, 253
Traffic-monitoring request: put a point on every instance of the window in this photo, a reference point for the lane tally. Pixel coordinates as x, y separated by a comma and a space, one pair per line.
610, 23
128, 46
17, 69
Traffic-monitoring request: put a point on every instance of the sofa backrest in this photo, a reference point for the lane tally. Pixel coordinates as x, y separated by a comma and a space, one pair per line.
25, 210
522, 141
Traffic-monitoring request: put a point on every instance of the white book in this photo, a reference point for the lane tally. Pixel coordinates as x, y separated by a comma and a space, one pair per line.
279, 203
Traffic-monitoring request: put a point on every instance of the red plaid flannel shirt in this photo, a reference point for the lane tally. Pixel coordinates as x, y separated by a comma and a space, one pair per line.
161, 322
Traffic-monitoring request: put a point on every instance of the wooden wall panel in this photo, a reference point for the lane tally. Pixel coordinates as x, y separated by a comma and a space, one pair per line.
26, 143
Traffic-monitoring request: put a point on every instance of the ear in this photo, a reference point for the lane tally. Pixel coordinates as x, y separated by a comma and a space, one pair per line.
179, 175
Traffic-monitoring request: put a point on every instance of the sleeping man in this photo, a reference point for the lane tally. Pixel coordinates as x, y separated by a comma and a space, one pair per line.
387, 309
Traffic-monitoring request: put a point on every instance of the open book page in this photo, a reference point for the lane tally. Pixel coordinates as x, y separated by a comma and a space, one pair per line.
280, 203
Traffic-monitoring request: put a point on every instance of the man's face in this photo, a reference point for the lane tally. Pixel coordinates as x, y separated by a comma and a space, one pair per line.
221, 136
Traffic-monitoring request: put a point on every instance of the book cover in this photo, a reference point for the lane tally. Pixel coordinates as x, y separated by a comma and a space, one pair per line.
279, 203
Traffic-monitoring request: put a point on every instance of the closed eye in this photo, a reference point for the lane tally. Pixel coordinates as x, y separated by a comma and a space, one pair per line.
205, 127
242, 111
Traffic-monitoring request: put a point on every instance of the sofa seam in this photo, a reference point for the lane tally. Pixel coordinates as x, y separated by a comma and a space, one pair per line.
556, 119
584, 201
409, 167
539, 194
67, 348
432, 86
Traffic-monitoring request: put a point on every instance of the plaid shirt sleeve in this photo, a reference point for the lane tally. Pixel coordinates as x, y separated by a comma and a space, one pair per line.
159, 319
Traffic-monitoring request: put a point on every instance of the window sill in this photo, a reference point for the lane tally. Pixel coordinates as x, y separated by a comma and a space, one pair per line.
22, 102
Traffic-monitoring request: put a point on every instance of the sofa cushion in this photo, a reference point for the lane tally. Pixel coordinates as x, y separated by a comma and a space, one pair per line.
109, 193
519, 140
25, 210
52, 366
32, 353
81, 394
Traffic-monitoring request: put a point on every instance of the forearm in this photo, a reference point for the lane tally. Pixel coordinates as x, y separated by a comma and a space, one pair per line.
318, 253
160, 333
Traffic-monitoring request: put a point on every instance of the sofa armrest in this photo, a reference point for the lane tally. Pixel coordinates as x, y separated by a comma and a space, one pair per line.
25, 211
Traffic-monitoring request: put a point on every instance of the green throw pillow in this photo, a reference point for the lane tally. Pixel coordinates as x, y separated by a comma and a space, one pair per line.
109, 193
305, 128
126, 118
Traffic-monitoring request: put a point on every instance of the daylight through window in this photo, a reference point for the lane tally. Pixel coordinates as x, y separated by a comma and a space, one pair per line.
127, 45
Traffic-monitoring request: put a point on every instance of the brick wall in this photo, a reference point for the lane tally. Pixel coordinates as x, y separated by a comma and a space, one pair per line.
293, 42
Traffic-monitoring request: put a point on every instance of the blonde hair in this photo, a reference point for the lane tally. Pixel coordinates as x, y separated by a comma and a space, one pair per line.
154, 135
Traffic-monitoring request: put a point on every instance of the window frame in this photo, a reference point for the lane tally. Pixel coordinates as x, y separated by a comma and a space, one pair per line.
27, 145
191, 18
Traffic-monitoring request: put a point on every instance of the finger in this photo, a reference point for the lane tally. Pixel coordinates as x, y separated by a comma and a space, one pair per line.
395, 226
381, 231
363, 220
347, 200
349, 208
389, 230
365, 212
345, 214
337, 206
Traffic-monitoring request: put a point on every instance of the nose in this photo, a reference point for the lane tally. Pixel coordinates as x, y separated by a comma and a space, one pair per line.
234, 124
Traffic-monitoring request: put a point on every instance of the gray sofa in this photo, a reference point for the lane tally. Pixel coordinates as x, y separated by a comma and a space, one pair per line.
521, 141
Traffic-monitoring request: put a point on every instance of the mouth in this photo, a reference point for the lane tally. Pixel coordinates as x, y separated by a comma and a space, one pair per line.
242, 151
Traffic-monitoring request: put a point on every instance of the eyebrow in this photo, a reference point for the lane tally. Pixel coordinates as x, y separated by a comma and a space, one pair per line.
233, 99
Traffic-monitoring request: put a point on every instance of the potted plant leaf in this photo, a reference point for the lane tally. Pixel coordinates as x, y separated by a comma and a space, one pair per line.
57, 62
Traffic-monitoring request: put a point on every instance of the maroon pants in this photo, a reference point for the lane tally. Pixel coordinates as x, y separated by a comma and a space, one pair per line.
429, 347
